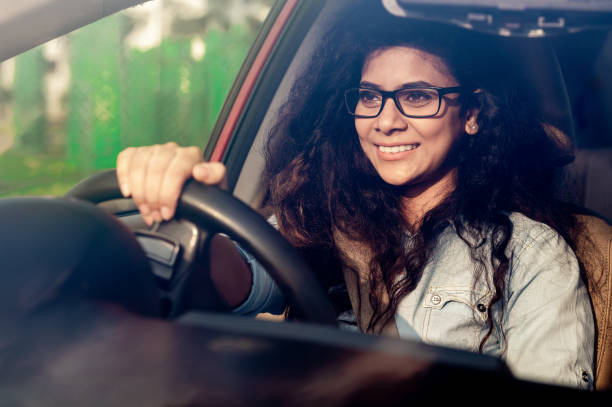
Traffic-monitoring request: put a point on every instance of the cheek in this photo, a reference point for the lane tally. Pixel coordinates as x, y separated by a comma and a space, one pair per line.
440, 132
434, 127
362, 128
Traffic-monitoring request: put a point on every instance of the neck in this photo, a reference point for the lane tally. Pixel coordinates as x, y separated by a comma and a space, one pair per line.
418, 199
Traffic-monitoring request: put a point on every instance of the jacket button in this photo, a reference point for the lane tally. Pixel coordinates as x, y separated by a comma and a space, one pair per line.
481, 308
435, 299
585, 377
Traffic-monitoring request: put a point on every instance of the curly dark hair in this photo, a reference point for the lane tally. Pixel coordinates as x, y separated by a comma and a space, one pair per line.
319, 180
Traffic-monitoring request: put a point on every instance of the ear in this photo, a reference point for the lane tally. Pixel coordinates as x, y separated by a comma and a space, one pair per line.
471, 119
471, 122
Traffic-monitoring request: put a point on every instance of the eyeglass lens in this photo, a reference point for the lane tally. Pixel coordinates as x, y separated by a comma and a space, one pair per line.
412, 102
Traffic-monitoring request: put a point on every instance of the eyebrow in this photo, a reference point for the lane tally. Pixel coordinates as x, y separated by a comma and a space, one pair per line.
407, 85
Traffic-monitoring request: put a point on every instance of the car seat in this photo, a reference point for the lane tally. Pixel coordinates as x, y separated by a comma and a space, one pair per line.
588, 194
594, 249
588, 168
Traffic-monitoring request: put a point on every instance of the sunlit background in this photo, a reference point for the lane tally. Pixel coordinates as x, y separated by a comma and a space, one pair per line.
154, 73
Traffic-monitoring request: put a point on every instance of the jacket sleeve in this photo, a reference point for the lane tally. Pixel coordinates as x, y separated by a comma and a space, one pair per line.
548, 321
265, 296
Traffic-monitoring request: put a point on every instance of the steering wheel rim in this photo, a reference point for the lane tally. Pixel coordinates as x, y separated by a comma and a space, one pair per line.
213, 209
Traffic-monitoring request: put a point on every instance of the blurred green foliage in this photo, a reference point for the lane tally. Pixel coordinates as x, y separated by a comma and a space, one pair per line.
36, 174
94, 99
28, 102
118, 96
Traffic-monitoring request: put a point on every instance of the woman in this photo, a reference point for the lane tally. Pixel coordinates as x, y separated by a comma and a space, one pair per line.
407, 164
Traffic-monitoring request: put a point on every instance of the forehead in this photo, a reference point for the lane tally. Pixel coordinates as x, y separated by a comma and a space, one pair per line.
397, 65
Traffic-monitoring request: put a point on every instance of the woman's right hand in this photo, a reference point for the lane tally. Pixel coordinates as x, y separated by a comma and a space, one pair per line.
154, 176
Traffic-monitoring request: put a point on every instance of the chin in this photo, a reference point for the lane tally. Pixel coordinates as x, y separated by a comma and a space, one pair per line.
397, 181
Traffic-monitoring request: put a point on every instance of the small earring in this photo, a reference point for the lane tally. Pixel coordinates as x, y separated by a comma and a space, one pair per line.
474, 129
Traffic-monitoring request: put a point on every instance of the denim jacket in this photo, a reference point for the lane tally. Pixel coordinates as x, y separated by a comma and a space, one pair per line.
543, 327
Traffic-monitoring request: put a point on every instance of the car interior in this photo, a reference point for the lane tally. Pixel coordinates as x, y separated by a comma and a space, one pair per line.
566, 68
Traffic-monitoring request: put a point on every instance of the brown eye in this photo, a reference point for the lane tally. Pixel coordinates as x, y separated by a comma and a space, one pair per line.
369, 98
417, 97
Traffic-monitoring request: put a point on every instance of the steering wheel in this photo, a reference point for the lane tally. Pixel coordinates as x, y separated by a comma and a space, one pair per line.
216, 211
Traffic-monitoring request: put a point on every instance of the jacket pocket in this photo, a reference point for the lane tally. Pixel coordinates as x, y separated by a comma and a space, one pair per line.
455, 317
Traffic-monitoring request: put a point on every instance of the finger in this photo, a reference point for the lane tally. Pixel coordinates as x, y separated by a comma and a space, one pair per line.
179, 170
148, 219
123, 165
137, 176
214, 173
161, 157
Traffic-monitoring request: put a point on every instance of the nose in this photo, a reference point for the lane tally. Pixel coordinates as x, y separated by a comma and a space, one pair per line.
390, 119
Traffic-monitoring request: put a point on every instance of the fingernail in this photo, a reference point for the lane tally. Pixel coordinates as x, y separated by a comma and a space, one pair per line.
125, 189
166, 213
144, 209
156, 216
200, 172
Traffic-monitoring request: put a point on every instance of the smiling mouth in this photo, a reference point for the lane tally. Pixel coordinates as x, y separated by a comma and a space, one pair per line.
397, 149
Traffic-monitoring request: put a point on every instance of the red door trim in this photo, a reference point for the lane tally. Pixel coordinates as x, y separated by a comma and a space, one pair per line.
249, 81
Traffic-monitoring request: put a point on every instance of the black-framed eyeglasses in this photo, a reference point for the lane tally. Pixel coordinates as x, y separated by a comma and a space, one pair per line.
411, 102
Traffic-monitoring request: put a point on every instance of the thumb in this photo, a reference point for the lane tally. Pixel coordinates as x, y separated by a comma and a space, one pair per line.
211, 174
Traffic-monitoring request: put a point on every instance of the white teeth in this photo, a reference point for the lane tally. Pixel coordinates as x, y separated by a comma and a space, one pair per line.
397, 149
